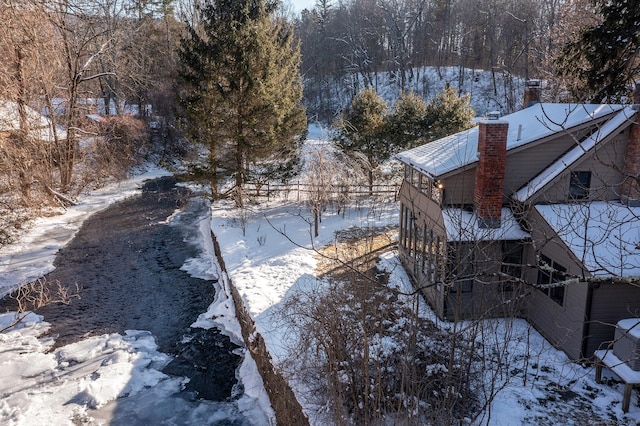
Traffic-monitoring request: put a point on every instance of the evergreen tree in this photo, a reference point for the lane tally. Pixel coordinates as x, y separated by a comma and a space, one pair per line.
447, 113
242, 88
361, 129
407, 126
604, 60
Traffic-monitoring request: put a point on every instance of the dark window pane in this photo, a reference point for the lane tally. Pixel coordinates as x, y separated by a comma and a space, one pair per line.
555, 275
557, 294
544, 274
512, 258
579, 185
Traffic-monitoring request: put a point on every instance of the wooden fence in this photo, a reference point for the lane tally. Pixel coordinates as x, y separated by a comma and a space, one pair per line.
301, 191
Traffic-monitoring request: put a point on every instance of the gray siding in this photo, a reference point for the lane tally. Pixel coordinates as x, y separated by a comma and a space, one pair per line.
426, 213
605, 164
525, 164
459, 188
487, 298
561, 324
610, 303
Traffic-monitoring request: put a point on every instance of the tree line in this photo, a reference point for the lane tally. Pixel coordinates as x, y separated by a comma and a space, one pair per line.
234, 76
586, 49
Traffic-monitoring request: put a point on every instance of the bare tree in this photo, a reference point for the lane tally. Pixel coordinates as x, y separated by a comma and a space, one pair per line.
330, 173
37, 294
27, 69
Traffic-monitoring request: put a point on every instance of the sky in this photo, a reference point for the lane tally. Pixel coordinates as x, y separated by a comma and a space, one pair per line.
90, 381
299, 5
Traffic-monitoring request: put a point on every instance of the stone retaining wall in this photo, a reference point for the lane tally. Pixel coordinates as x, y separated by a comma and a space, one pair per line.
287, 408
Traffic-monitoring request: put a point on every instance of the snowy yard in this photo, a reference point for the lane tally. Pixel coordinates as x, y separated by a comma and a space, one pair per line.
539, 383
272, 257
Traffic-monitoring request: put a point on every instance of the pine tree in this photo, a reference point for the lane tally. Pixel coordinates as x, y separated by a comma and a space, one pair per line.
604, 60
407, 126
361, 129
447, 113
242, 88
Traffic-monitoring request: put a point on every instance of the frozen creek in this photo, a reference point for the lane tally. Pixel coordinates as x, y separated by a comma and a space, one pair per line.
126, 263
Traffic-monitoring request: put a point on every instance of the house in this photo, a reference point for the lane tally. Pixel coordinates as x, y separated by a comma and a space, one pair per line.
533, 214
39, 127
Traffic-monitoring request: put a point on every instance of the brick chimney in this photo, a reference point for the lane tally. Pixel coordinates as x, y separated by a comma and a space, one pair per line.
630, 193
532, 93
631, 185
489, 188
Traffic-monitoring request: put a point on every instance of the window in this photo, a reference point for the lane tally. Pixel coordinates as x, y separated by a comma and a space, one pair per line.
437, 193
418, 252
406, 227
410, 175
425, 185
460, 267
579, 185
409, 223
511, 263
551, 272
557, 295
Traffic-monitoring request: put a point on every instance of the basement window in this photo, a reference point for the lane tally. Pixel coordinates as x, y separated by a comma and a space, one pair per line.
579, 185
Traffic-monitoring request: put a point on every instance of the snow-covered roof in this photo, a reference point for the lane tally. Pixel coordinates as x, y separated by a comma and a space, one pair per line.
605, 236
462, 225
40, 126
10, 118
546, 176
525, 126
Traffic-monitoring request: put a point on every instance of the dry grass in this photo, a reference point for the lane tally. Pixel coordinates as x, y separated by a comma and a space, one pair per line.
355, 250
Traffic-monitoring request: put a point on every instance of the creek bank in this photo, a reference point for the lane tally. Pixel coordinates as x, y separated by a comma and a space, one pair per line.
126, 263
288, 410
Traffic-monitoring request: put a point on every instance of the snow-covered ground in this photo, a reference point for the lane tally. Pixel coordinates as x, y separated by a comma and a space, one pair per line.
269, 262
273, 257
542, 386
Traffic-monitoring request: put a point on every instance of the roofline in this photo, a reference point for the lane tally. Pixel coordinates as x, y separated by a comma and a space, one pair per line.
561, 165
471, 165
561, 132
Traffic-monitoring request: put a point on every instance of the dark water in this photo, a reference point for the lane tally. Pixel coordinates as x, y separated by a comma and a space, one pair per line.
126, 263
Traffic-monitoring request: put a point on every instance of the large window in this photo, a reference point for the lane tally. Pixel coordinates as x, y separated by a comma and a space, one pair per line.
422, 245
579, 185
511, 263
460, 267
424, 184
433, 257
406, 229
408, 174
550, 272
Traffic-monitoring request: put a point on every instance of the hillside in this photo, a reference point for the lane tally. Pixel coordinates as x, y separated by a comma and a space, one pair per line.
490, 91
